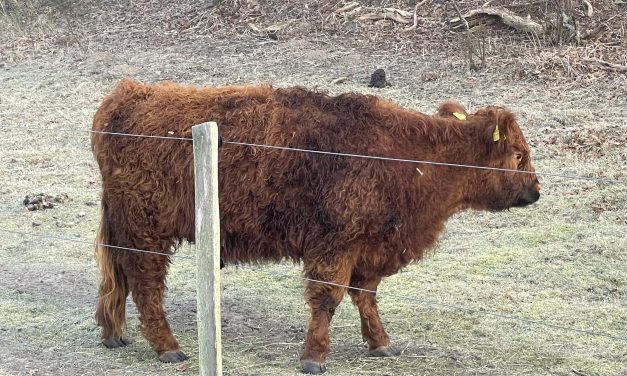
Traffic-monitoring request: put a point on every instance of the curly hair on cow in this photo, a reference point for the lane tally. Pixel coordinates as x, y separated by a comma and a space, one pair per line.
350, 221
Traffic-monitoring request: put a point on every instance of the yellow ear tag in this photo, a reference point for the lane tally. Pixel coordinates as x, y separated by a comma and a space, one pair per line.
496, 135
459, 116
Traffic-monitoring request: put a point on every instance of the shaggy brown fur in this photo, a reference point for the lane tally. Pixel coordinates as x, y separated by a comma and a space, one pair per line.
351, 221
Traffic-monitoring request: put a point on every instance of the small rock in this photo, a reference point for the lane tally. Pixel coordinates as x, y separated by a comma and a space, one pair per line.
59, 223
81, 214
36, 224
90, 203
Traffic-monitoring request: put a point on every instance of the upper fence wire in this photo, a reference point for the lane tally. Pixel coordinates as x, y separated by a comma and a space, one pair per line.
349, 155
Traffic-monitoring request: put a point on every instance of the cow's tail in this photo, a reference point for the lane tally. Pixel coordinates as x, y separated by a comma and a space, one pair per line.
110, 313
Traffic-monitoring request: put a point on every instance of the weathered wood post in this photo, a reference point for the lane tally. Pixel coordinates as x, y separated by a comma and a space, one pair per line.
205, 138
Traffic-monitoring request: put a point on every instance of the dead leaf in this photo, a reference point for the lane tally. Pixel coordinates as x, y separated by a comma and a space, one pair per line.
182, 367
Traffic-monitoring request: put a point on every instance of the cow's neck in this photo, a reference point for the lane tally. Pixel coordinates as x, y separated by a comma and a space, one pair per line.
456, 145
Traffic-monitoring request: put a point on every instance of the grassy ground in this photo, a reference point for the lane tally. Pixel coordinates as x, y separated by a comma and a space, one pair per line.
561, 261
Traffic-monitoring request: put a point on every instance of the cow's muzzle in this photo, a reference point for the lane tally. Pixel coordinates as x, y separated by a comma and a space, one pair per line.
530, 195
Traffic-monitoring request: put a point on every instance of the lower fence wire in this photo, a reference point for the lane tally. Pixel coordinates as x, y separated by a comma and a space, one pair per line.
479, 311
92, 243
439, 305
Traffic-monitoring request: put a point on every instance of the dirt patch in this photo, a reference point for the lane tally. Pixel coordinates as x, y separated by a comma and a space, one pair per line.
49, 282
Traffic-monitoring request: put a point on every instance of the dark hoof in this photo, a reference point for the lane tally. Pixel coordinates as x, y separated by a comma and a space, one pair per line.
172, 357
114, 342
385, 351
315, 368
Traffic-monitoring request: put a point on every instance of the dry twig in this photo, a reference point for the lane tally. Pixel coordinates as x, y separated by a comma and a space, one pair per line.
469, 44
589, 8
579, 373
416, 15
339, 80
347, 8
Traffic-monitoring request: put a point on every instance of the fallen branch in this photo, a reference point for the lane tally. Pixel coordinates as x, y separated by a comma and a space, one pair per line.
400, 16
607, 65
476, 16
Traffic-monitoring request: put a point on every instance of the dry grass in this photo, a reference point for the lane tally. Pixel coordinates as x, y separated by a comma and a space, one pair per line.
561, 261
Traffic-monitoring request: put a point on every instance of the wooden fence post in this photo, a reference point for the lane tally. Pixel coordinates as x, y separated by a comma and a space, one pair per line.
205, 138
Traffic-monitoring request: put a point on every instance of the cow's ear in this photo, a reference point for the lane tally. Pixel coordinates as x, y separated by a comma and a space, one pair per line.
452, 109
498, 128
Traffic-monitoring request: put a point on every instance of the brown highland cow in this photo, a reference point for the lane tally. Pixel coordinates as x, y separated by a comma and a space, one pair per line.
351, 221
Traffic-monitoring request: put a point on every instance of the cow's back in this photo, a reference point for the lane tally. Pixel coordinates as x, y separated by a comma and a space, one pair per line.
274, 204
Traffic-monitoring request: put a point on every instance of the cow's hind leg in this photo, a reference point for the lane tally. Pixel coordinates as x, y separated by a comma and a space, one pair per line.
147, 283
322, 299
371, 327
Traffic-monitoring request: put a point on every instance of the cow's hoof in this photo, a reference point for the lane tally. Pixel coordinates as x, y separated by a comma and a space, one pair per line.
315, 368
384, 351
172, 356
114, 342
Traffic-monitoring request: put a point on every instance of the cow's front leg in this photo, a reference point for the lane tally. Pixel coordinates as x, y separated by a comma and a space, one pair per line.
322, 299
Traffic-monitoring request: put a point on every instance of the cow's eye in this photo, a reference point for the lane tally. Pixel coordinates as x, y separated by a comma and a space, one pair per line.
519, 159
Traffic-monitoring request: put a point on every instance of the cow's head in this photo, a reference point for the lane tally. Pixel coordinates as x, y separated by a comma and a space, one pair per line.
502, 145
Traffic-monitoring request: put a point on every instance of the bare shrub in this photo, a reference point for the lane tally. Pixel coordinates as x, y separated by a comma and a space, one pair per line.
561, 23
